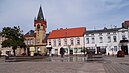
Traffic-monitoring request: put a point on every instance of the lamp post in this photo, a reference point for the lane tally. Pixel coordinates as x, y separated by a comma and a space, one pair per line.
69, 49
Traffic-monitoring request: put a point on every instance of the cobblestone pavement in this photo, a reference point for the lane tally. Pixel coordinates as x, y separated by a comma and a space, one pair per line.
67, 65
116, 65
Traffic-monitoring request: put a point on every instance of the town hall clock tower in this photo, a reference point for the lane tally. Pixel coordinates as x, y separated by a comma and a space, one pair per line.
40, 25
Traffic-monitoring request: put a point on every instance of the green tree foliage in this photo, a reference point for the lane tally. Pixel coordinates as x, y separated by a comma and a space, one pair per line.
14, 38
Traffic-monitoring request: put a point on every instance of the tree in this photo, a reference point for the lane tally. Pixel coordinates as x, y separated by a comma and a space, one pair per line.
14, 38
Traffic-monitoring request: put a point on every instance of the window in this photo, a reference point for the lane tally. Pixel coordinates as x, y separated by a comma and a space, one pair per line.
114, 38
93, 40
38, 26
87, 40
49, 42
78, 41
54, 42
72, 42
59, 42
114, 32
115, 48
37, 41
108, 33
92, 34
31, 41
87, 34
28, 41
75, 50
65, 42
101, 39
123, 37
123, 31
100, 33
109, 39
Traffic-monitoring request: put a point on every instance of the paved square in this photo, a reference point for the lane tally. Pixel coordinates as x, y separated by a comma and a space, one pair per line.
63, 65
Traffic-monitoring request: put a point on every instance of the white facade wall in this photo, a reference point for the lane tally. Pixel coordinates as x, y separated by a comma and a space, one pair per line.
109, 46
69, 46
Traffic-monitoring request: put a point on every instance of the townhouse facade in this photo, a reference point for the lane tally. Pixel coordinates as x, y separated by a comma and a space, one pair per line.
71, 39
106, 41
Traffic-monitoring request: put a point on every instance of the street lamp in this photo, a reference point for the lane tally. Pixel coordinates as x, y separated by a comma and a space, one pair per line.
69, 49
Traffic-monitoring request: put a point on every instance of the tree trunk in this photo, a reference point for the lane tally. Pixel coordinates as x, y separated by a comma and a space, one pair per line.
14, 48
14, 52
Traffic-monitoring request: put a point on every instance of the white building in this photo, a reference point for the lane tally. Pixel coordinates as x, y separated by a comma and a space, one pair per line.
71, 39
106, 41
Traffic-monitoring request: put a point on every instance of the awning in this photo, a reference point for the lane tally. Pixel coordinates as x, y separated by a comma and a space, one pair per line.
124, 41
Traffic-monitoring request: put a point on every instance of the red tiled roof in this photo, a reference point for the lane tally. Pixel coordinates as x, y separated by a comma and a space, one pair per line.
68, 32
127, 23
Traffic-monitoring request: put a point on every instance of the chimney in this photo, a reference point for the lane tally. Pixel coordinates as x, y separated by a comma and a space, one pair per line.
61, 28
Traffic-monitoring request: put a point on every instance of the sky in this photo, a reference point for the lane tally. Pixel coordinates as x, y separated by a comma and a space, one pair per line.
92, 14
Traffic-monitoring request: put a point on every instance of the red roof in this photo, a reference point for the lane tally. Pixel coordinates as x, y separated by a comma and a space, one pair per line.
127, 23
68, 32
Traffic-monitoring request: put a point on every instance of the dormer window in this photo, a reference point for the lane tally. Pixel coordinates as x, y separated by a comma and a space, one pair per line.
100, 33
108, 33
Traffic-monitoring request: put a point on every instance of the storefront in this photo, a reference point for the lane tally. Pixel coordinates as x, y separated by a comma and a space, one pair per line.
124, 46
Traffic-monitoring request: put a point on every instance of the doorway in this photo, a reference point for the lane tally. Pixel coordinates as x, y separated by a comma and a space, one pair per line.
71, 52
125, 49
28, 51
98, 50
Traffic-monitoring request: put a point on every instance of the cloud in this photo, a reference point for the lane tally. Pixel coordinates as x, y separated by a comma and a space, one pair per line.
64, 13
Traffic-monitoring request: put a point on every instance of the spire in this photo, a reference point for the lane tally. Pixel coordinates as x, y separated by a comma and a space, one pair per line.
34, 18
40, 14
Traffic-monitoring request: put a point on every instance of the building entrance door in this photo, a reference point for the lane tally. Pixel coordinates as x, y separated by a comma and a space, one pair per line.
28, 51
71, 52
125, 49
98, 50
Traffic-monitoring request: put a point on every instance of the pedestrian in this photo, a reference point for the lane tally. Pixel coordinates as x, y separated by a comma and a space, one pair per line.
62, 51
52, 52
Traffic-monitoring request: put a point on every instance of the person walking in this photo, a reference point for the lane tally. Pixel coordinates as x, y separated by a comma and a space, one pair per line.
62, 51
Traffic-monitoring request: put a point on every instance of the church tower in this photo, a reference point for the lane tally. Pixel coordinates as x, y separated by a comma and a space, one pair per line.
40, 25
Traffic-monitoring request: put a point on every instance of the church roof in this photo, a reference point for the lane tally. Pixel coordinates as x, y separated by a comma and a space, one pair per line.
31, 33
68, 32
40, 14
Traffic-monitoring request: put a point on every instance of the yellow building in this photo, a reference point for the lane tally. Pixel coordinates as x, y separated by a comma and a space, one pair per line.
36, 40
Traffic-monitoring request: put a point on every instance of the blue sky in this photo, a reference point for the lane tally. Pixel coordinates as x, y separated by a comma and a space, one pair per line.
92, 14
